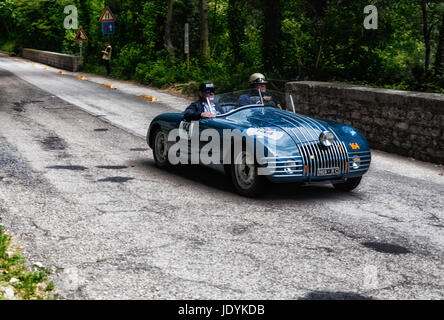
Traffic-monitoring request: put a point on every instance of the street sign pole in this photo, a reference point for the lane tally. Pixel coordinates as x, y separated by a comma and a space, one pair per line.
187, 45
80, 37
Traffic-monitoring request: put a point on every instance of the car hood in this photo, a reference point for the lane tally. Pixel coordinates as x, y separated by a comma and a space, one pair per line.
300, 128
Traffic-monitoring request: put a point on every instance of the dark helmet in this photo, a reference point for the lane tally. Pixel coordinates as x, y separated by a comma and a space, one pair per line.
206, 86
257, 78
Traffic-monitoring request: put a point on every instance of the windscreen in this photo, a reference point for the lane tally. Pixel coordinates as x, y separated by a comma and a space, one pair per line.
227, 102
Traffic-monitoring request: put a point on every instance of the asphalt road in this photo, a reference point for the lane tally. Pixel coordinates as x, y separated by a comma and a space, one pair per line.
80, 193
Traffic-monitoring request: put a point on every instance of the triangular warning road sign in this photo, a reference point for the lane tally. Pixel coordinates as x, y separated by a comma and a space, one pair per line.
81, 36
107, 15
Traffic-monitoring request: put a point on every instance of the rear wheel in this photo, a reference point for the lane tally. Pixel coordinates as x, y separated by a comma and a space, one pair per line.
160, 151
245, 176
348, 185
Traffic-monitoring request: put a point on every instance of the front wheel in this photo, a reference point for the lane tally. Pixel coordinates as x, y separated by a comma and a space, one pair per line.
245, 178
348, 185
160, 150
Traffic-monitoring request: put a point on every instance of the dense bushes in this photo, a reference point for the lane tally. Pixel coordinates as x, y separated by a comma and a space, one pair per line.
163, 73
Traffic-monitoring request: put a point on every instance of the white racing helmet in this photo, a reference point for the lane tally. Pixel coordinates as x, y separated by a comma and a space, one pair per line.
257, 78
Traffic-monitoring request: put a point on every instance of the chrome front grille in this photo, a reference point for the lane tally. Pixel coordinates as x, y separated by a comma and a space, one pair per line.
316, 156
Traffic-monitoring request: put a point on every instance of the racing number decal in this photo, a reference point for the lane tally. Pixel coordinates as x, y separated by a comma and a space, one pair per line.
354, 146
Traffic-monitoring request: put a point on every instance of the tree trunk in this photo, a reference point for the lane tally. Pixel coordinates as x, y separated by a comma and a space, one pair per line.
204, 30
426, 34
169, 20
439, 57
271, 47
85, 23
316, 10
236, 25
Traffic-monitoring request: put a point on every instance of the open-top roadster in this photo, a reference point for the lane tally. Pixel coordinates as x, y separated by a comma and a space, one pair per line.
277, 144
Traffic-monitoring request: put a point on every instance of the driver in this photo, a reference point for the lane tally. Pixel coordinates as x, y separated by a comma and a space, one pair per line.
200, 108
258, 82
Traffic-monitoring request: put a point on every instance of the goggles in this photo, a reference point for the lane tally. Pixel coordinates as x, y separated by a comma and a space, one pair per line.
208, 91
260, 80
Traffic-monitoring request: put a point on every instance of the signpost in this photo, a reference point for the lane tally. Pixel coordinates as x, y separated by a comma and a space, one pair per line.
108, 22
187, 45
107, 15
108, 27
80, 36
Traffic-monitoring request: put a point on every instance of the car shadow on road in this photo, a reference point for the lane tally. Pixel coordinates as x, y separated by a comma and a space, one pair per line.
210, 178
195, 173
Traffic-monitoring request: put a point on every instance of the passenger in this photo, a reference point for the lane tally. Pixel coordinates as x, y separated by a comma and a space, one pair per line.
200, 108
258, 82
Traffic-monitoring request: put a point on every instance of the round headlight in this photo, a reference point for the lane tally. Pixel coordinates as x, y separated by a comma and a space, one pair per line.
327, 138
356, 162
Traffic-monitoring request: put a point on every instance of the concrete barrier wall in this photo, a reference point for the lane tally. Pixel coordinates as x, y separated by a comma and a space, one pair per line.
59, 60
403, 122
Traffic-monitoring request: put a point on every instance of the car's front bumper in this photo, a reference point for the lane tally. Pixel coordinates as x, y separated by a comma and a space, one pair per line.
306, 169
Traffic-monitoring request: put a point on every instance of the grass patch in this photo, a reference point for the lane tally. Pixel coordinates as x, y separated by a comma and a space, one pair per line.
14, 276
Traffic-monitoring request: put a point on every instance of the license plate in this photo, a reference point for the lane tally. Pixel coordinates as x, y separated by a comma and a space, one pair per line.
328, 171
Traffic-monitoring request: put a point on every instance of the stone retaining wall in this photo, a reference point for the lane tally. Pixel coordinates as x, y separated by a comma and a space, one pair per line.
403, 122
59, 60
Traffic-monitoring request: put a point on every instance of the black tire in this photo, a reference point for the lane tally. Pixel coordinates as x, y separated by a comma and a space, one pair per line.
245, 178
348, 185
160, 153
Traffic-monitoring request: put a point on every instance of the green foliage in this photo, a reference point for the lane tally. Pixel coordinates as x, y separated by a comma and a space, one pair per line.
4, 244
13, 266
29, 281
124, 66
163, 73
159, 73
301, 40
8, 46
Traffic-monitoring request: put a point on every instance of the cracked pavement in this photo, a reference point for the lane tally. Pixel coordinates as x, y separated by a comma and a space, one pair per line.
81, 195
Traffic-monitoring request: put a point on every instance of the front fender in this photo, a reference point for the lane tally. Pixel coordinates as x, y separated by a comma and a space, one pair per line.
352, 137
166, 122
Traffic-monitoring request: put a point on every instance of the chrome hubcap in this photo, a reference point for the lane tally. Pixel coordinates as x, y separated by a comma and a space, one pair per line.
244, 172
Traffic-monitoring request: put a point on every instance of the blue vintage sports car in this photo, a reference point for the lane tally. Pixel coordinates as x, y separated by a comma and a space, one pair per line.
264, 141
